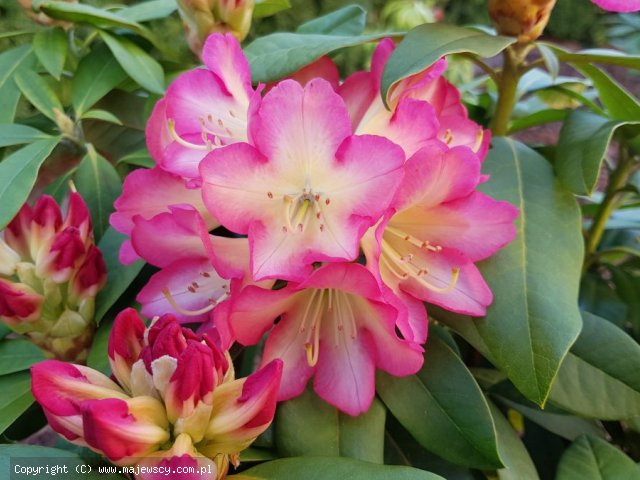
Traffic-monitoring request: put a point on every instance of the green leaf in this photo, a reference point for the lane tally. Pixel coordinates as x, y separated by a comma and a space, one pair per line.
444, 401
139, 158
39, 93
18, 174
550, 60
12, 62
255, 454
149, 10
138, 64
541, 117
103, 115
616, 99
266, 8
599, 378
15, 397
332, 468
98, 358
518, 463
98, 73
604, 56
349, 20
425, 44
277, 55
591, 458
584, 140
99, 184
534, 318
51, 46
17, 355
308, 426
16, 134
119, 276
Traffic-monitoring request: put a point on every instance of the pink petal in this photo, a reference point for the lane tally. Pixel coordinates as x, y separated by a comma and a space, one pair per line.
458, 130
157, 132
125, 344
619, 5
436, 174
359, 92
323, 68
224, 57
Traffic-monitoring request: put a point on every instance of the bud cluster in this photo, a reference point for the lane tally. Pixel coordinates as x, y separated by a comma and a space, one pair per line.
50, 273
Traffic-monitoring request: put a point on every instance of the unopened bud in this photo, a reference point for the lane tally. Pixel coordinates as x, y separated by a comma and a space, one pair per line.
525, 19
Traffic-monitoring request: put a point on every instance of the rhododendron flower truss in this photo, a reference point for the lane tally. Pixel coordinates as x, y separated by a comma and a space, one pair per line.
437, 228
305, 190
338, 326
203, 109
174, 400
423, 107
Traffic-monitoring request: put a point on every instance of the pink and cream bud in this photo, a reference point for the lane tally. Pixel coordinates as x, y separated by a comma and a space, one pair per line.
125, 345
18, 303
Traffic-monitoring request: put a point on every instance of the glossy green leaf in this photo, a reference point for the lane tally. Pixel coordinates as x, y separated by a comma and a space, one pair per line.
15, 397
541, 117
51, 46
138, 64
308, 426
621, 104
518, 463
18, 174
583, 143
591, 458
534, 317
149, 10
98, 73
16, 134
603, 56
425, 44
119, 276
444, 401
139, 158
99, 184
11, 62
599, 378
332, 468
550, 60
255, 454
98, 358
17, 355
39, 93
103, 115
277, 55
349, 20
266, 8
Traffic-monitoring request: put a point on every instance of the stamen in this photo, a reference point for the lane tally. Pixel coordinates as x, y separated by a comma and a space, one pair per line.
416, 242
184, 311
455, 274
479, 138
303, 324
172, 131
448, 137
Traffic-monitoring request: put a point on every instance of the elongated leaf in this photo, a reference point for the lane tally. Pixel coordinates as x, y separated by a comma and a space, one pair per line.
103, 115
308, 426
277, 55
12, 62
99, 184
17, 355
603, 56
98, 73
149, 10
550, 60
140, 158
98, 357
51, 46
444, 401
583, 143
15, 397
349, 20
18, 174
591, 458
541, 117
140, 66
599, 378
16, 134
616, 99
534, 318
518, 463
266, 8
425, 44
39, 93
331, 469
119, 276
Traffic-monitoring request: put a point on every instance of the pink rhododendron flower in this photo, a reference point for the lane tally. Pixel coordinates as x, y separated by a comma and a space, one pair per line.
424, 106
437, 227
337, 326
619, 5
50, 273
305, 190
170, 384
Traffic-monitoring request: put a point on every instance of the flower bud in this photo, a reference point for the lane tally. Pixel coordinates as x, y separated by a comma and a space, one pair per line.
50, 273
40, 17
201, 18
525, 19
125, 345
